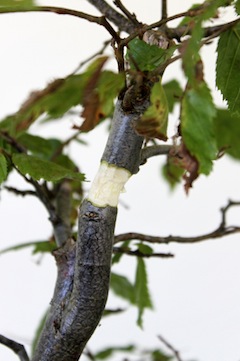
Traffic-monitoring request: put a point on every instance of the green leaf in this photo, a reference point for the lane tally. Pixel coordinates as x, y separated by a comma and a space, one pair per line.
122, 287
187, 19
237, 6
144, 248
173, 93
191, 47
3, 168
16, 3
172, 172
191, 55
117, 257
38, 247
54, 100
147, 57
142, 296
106, 353
154, 121
108, 88
42, 169
158, 355
227, 70
227, 130
197, 116
41, 147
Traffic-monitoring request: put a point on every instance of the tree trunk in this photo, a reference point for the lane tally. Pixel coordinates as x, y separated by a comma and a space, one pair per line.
84, 267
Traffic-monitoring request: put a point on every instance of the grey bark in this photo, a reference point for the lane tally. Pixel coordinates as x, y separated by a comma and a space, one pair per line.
84, 268
113, 15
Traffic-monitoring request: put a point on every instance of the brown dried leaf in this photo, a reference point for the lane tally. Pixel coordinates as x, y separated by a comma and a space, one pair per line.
184, 159
92, 112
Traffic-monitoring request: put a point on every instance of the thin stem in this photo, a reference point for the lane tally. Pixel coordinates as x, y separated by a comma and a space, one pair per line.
16, 347
154, 150
131, 17
63, 11
209, 32
99, 52
221, 231
19, 192
138, 253
157, 24
164, 9
171, 348
114, 16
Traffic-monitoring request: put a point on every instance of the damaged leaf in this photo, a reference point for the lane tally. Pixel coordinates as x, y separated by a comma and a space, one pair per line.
54, 100
197, 116
91, 103
153, 123
99, 101
181, 159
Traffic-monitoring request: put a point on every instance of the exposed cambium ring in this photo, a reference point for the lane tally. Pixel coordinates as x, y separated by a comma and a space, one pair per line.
107, 185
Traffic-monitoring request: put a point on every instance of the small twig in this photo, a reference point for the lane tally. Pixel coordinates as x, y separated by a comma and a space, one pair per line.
208, 32
138, 253
157, 24
131, 17
114, 16
99, 52
15, 347
219, 232
171, 348
153, 151
224, 212
19, 192
89, 354
103, 21
59, 150
109, 312
13, 142
218, 30
164, 9
64, 11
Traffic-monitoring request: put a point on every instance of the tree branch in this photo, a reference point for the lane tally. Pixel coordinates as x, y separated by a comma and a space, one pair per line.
114, 16
17, 348
61, 227
211, 31
171, 348
131, 17
100, 20
19, 192
153, 151
138, 253
221, 231
164, 9
83, 272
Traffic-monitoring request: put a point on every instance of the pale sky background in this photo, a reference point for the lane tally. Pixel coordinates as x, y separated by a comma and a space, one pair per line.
196, 295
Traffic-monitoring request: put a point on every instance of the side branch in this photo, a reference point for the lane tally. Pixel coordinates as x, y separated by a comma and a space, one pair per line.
212, 31
153, 151
114, 16
16, 347
220, 232
137, 253
100, 20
